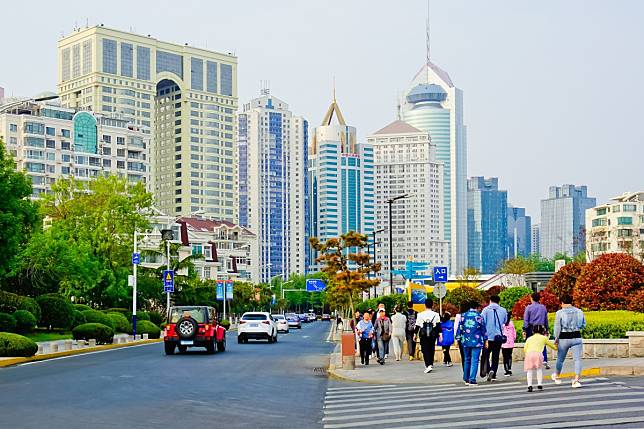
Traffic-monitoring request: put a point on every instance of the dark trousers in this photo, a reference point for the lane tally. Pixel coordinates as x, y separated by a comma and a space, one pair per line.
446, 357
507, 360
428, 347
462, 353
365, 350
411, 344
493, 350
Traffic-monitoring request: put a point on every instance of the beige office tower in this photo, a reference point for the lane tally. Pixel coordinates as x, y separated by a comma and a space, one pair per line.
185, 97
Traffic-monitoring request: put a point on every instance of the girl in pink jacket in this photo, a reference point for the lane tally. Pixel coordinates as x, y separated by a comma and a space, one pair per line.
508, 346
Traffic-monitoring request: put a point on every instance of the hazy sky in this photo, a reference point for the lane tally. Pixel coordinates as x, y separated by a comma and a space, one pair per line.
553, 89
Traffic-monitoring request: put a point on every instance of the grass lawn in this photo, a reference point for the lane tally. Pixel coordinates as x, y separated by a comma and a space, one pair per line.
44, 335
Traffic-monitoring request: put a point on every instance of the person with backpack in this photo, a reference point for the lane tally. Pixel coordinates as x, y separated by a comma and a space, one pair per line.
410, 330
428, 327
398, 326
494, 316
382, 328
471, 334
447, 329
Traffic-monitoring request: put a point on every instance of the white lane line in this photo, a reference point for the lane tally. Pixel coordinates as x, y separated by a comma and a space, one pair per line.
84, 354
395, 388
350, 408
582, 423
469, 406
424, 389
379, 386
520, 413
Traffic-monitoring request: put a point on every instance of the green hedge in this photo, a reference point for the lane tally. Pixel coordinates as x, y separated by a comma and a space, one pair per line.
78, 319
225, 323
123, 311
10, 302
510, 296
25, 321
601, 324
103, 334
14, 345
82, 307
147, 327
95, 316
142, 315
57, 311
390, 302
7, 323
120, 322
156, 317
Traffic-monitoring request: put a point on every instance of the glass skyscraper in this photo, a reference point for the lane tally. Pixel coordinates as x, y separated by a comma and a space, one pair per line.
519, 232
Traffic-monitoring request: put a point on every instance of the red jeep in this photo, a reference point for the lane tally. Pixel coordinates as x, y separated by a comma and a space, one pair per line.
194, 326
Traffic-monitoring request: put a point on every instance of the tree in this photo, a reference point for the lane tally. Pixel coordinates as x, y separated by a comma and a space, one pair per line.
511, 295
464, 295
469, 274
563, 281
18, 214
347, 271
546, 298
518, 265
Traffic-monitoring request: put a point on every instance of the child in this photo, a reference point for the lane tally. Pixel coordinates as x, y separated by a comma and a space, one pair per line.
533, 350
447, 329
507, 347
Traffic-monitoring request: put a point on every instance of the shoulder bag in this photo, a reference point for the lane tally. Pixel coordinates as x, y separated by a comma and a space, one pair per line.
502, 338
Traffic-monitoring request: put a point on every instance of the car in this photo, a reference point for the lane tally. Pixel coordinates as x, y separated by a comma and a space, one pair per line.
303, 318
282, 323
312, 317
326, 317
293, 320
193, 326
256, 325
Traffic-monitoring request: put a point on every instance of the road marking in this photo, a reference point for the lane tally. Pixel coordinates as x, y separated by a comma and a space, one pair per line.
581, 423
305, 336
380, 386
84, 354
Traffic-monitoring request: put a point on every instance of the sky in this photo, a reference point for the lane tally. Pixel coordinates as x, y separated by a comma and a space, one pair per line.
553, 89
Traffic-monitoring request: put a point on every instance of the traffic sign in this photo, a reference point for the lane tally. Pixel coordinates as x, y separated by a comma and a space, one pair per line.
315, 285
136, 258
220, 291
130, 280
440, 290
417, 266
440, 274
168, 281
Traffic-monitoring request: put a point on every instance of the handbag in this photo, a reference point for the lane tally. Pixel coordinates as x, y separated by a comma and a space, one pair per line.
386, 336
502, 338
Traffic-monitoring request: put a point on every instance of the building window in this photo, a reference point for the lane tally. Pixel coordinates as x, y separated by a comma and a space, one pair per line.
211, 76
196, 70
197, 249
601, 211
76, 60
85, 138
127, 55
13, 127
167, 61
65, 64
625, 220
142, 63
51, 131
87, 56
65, 133
630, 207
109, 56
226, 79
34, 128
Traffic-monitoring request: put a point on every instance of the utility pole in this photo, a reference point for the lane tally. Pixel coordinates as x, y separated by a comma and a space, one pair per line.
134, 289
391, 244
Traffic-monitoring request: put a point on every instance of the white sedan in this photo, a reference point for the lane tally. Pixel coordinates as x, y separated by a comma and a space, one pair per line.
256, 326
282, 323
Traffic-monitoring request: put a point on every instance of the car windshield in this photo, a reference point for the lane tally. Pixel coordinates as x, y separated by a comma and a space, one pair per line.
278, 316
291, 315
254, 316
197, 313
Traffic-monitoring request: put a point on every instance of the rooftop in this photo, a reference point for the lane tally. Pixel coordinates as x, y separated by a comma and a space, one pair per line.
398, 127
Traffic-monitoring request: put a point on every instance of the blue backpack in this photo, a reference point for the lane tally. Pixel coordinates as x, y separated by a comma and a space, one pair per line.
447, 329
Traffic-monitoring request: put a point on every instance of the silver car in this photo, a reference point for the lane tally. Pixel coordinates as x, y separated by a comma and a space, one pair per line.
281, 322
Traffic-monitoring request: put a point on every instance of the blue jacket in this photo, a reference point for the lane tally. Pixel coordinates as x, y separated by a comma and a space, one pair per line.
494, 325
365, 327
447, 329
471, 330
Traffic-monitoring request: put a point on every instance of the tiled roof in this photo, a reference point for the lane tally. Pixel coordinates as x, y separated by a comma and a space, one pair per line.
203, 224
398, 127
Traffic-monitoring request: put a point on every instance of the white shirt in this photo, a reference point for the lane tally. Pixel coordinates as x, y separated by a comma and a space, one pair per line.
398, 324
427, 316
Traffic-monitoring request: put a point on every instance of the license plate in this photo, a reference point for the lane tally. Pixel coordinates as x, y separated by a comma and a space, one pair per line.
186, 343
253, 325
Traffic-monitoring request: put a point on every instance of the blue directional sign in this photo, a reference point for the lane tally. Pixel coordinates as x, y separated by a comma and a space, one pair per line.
440, 274
229, 289
315, 285
168, 281
417, 266
220, 291
136, 258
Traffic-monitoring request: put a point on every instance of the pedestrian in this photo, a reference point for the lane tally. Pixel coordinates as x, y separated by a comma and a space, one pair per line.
508, 347
382, 328
533, 350
372, 317
381, 310
353, 323
569, 321
410, 329
398, 328
494, 316
427, 328
447, 329
535, 314
365, 333
457, 321
471, 334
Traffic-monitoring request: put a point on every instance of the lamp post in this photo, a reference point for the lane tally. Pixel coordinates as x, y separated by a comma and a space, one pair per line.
391, 244
375, 289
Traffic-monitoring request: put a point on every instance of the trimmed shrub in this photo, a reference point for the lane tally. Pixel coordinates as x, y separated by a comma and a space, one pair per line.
78, 319
25, 321
494, 290
156, 317
511, 295
95, 316
7, 323
57, 312
563, 281
14, 345
120, 322
225, 323
147, 327
142, 315
82, 307
637, 301
103, 334
10, 302
123, 311
548, 299
462, 295
450, 308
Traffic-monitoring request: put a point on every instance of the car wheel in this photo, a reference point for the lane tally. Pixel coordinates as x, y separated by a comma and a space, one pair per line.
210, 346
270, 338
221, 345
182, 349
275, 338
169, 347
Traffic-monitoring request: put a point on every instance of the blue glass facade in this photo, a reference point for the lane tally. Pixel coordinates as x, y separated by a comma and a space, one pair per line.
85, 133
109, 56
519, 233
226, 79
277, 194
142, 63
127, 59
196, 73
211, 77
169, 62
242, 148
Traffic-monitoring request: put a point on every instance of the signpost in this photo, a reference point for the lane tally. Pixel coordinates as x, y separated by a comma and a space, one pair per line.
220, 291
440, 274
224, 292
315, 285
440, 278
136, 258
168, 281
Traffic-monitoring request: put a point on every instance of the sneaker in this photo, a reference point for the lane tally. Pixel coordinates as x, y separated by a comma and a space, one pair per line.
529, 388
545, 364
506, 374
539, 387
411, 358
467, 383
576, 384
509, 372
428, 369
449, 364
386, 356
381, 361
556, 379
490, 376
474, 384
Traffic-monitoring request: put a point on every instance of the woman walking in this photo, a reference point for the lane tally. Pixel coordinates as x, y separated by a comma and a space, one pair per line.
569, 321
364, 329
398, 326
471, 334
382, 328
533, 349
353, 324
447, 329
508, 347
457, 321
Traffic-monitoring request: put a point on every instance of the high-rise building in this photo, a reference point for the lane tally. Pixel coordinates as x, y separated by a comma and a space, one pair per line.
1, 95
433, 104
48, 142
487, 220
184, 97
341, 180
272, 146
563, 219
616, 227
405, 164
536, 239
519, 232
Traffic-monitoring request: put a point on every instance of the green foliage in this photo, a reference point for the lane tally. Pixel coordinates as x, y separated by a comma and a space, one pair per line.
10, 302
103, 334
25, 321
147, 327
124, 311
602, 324
95, 316
225, 323
7, 323
18, 213
82, 307
13, 345
156, 317
78, 318
511, 295
120, 322
57, 312
142, 315
390, 302
462, 295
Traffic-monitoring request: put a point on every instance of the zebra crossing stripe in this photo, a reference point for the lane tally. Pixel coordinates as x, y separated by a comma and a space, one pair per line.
585, 423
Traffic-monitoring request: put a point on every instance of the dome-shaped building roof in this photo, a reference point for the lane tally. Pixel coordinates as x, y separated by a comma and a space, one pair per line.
426, 92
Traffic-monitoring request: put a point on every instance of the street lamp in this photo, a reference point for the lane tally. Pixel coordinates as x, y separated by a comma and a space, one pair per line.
391, 244
375, 289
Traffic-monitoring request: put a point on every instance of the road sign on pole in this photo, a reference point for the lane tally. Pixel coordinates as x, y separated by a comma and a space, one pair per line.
168, 281
440, 274
136, 258
315, 285
440, 290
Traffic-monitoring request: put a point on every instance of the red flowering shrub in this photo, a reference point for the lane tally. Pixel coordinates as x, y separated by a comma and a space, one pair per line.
494, 290
563, 282
636, 301
447, 307
463, 294
611, 282
548, 299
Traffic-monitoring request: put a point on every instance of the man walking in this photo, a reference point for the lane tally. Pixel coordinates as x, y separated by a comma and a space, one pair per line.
410, 330
382, 329
536, 314
493, 316
427, 326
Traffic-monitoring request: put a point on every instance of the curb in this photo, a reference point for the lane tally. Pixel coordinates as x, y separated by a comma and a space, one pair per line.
18, 360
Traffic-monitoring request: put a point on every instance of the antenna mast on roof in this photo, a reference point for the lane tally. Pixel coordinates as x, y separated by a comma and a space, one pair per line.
334, 89
427, 33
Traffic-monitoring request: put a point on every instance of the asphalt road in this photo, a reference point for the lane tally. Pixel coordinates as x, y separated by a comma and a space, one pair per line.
255, 385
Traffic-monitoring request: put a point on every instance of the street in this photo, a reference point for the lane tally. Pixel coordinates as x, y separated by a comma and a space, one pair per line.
249, 386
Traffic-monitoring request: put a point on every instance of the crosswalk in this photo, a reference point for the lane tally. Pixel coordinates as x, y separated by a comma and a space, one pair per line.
600, 402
